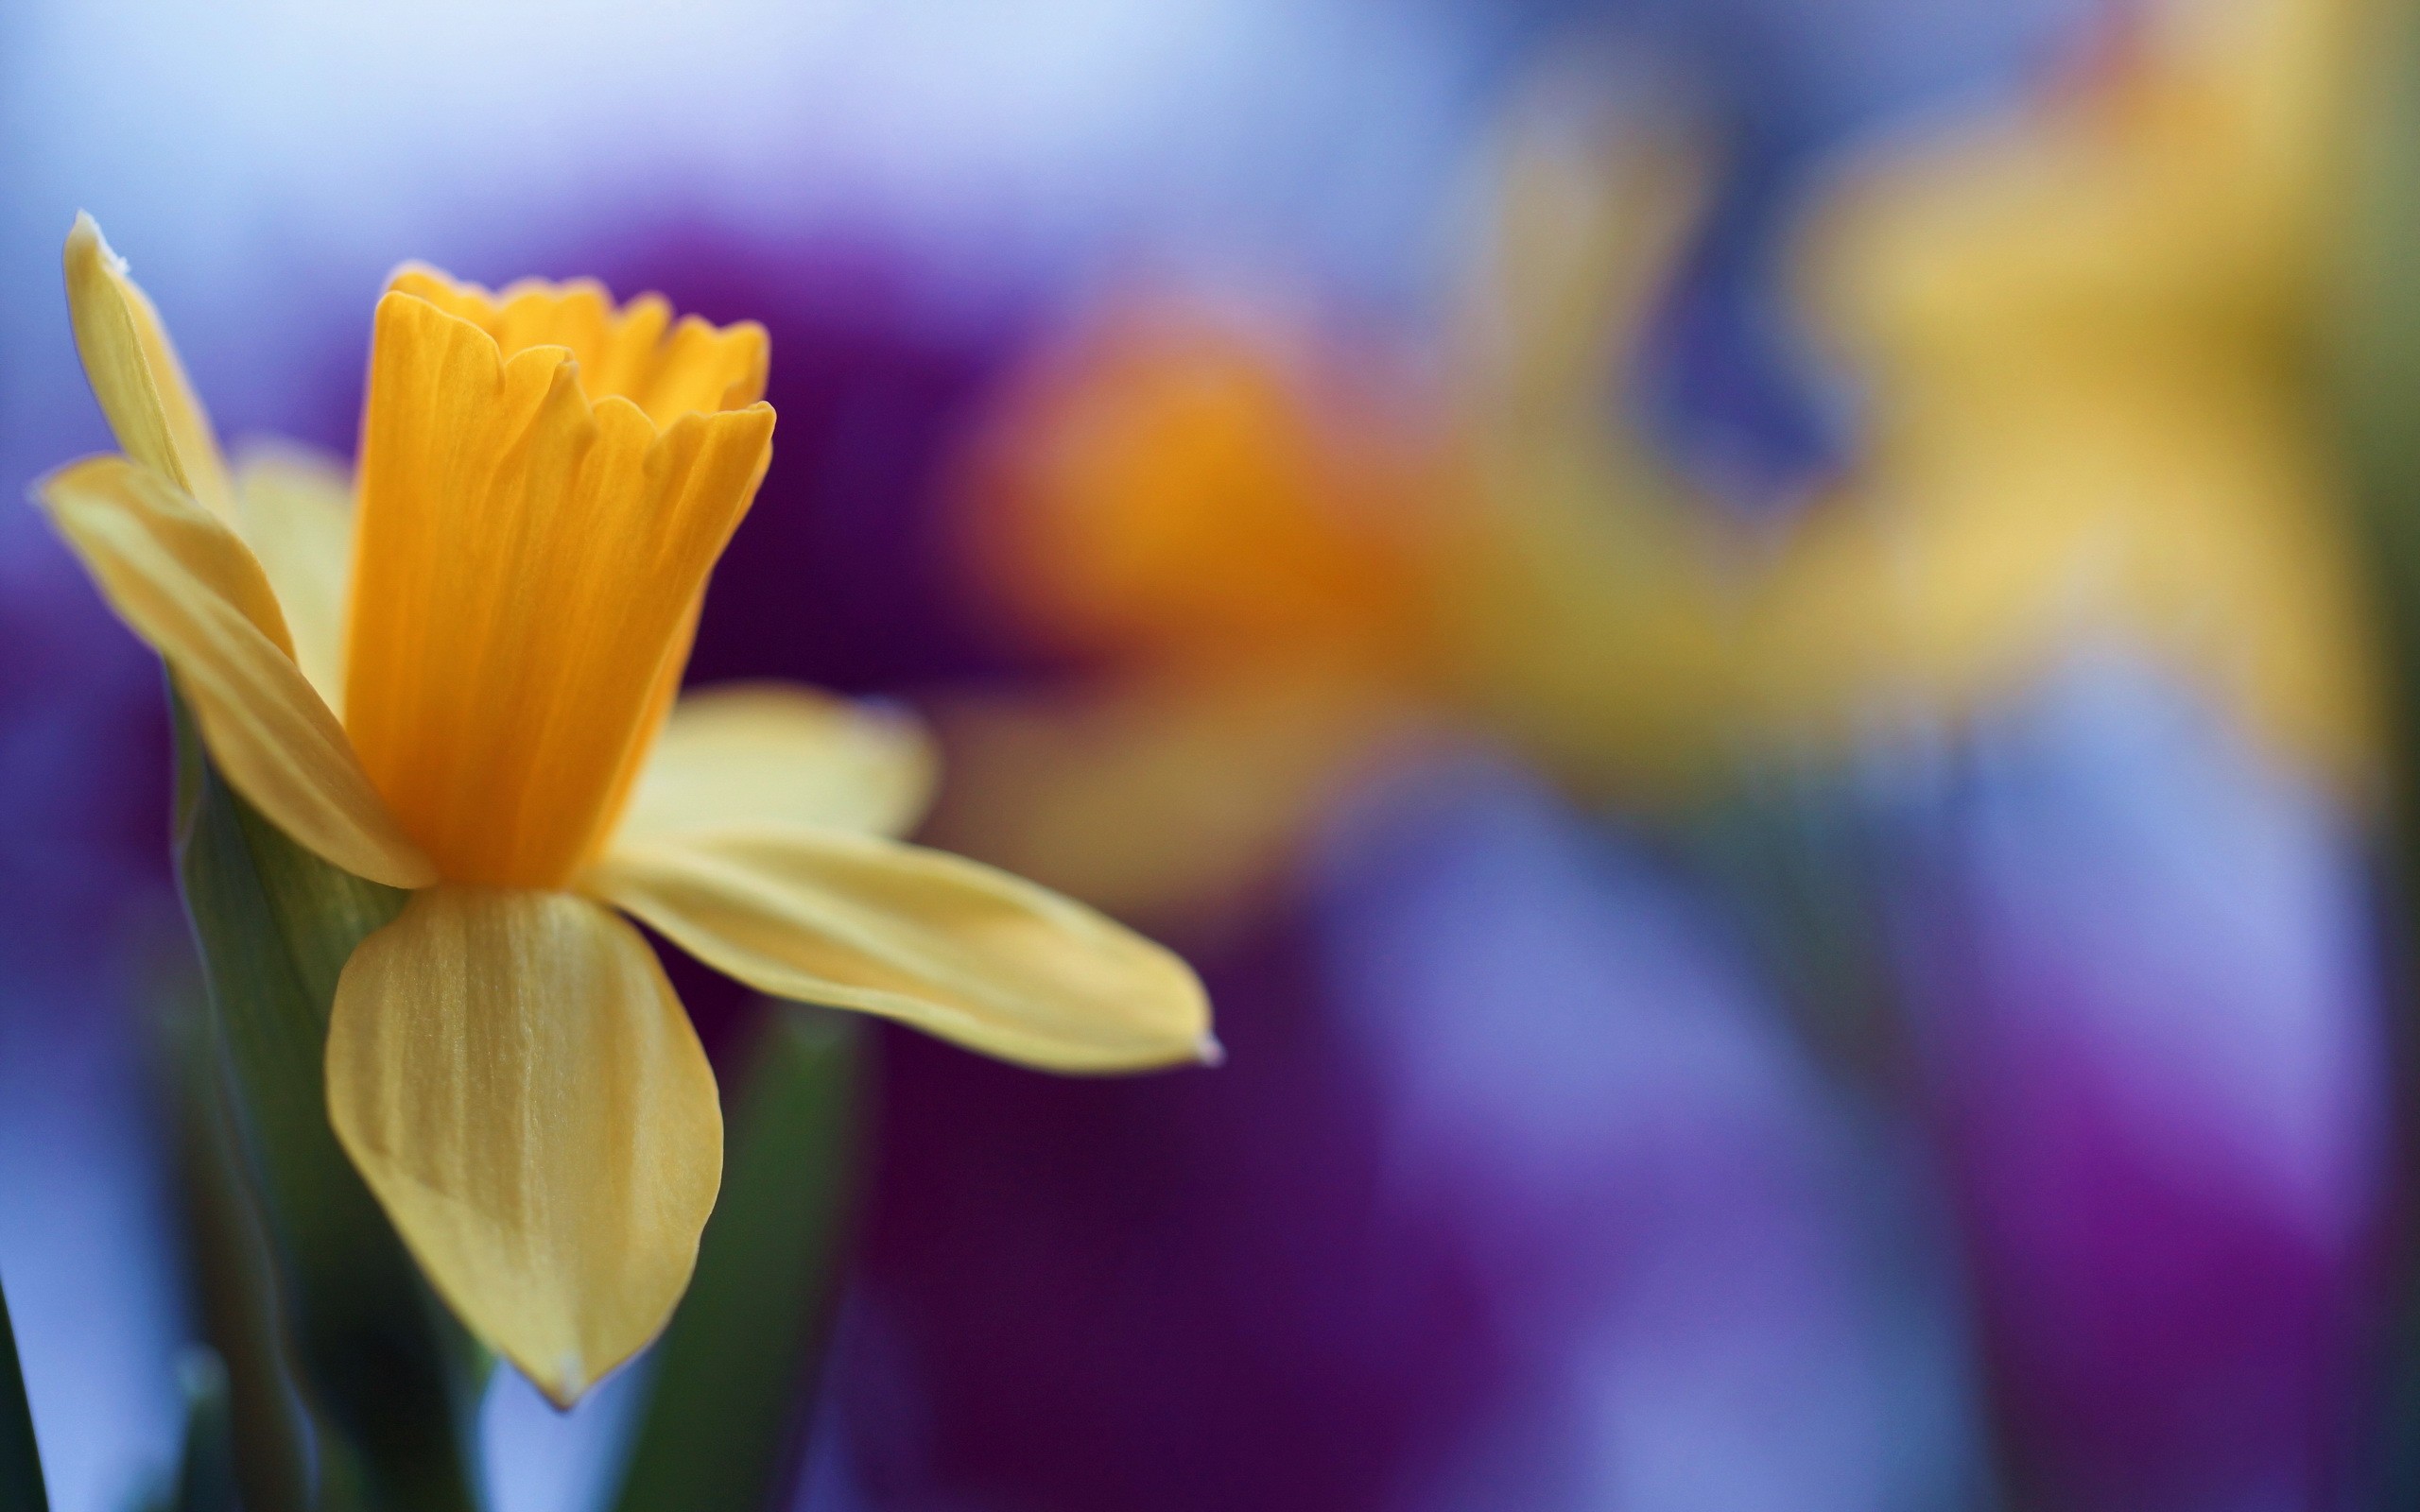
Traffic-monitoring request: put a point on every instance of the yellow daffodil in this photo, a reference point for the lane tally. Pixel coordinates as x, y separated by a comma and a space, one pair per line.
1234, 535
467, 688
2084, 324
1594, 603
2077, 325
1175, 486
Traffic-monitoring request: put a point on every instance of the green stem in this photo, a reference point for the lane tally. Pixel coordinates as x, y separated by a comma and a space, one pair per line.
206, 1478
234, 1286
2373, 350
723, 1425
387, 1373
21, 1488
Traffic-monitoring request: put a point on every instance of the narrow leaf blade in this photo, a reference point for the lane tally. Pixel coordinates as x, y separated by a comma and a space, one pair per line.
389, 1375
723, 1424
21, 1482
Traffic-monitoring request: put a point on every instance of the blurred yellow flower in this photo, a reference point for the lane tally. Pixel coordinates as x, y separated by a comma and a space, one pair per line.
546, 482
1171, 484
2079, 327
1593, 606
2085, 330
1235, 538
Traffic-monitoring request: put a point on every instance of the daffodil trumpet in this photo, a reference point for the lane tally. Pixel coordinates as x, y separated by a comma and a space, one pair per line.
459, 675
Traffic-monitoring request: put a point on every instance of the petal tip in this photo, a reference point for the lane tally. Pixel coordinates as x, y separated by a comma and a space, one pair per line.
1207, 1051
563, 1385
89, 264
45, 490
85, 244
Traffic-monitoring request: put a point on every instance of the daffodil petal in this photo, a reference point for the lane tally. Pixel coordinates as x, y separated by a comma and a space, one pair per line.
748, 754
189, 588
956, 949
295, 510
514, 1079
135, 374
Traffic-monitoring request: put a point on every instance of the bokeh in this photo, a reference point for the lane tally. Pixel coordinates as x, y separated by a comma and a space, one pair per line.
1762, 648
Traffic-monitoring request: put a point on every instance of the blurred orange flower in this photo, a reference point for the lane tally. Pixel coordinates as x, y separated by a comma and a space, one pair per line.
1239, 539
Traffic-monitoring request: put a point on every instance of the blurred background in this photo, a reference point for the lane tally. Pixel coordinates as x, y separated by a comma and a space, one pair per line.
1762, 648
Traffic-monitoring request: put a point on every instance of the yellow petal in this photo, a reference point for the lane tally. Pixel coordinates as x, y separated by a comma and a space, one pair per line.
295, 510
959, 949
517, 1083
526, 568
188, 587
638, 351
135, 374
752, 753
1177, 795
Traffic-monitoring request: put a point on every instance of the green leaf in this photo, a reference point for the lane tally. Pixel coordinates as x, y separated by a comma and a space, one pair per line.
2373, 350
1789, 848
2372, 342
2374, 338
229, 1264
389, 1375
725, 1416
206, 1479
21, 1488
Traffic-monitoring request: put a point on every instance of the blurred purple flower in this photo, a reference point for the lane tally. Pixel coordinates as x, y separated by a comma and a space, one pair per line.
1510, 1193
1683, 1237
1177, 1292
2148, 1017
